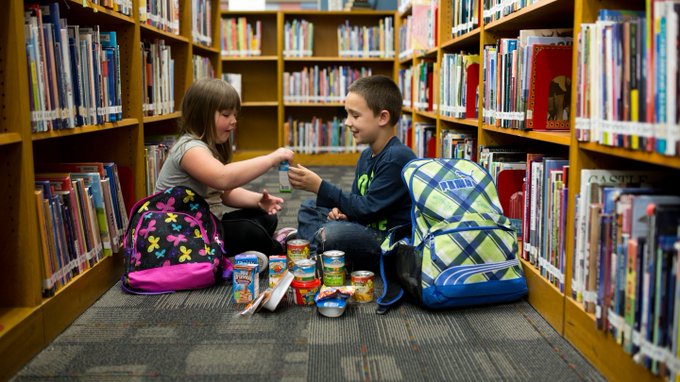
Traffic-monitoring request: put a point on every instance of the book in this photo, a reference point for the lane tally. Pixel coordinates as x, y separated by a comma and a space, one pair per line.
550, 88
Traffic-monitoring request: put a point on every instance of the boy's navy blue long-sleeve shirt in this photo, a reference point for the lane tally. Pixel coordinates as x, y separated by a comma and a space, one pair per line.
379, 198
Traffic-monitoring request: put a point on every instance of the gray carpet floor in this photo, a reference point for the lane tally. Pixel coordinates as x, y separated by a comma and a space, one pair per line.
199, 335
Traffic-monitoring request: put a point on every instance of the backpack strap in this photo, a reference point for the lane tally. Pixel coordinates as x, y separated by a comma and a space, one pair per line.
392, 290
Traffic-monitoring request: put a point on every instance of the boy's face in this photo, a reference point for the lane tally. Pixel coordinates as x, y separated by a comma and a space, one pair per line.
361, 121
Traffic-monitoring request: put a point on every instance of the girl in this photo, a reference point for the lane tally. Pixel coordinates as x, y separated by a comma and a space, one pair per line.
200, 159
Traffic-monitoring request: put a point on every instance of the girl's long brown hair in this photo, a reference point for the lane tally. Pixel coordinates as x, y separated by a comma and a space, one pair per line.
203, 98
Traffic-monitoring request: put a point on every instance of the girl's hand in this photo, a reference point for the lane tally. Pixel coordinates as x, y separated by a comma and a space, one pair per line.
282, 154
336, 214
303, 179
270, 204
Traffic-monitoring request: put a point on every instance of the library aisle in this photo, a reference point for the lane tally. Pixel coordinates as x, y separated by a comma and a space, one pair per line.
199, 335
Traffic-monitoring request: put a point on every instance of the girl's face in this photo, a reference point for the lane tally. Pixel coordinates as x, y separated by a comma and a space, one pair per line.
225, 123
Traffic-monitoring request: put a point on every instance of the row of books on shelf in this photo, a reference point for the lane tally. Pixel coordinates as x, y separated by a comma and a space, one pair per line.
458, 85
319, 136
625, 263
158, 78
497, 9
156, 150
73, 72
532, 189
367, 41
202, 67
527, 80
161, 14
628, 79
298, 38
423, 86
241, 39
320, 85
201, 22
405, 83
81, 218
466, 16
121, 6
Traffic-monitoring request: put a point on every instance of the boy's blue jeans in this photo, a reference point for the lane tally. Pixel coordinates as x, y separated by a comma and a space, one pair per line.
361, 244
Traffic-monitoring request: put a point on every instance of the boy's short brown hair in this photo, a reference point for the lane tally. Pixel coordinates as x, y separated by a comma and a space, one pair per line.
380, 93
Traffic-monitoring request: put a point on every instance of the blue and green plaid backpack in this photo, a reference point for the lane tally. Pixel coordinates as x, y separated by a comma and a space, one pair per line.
460, 250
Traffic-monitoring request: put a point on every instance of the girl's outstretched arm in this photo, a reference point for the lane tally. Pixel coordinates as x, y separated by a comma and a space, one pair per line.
202, 166
242, 198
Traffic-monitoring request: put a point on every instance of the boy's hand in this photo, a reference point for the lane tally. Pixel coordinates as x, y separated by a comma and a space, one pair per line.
269, 203
304, 179
336, 214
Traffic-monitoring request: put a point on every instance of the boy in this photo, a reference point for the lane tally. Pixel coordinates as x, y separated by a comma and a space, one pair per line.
357, 222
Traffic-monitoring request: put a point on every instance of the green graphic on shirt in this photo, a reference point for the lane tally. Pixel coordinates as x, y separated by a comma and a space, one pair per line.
363, 183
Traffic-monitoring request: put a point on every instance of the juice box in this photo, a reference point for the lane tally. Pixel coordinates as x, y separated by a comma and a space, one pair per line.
246, 283
284, 183
247, 258
277, 265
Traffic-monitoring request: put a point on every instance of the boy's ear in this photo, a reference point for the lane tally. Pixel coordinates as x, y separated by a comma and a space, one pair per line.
384, 118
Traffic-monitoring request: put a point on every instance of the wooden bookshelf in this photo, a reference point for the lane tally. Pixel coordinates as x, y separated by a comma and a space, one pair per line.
426, 114
29, 321
313, 104
469, 39
562, 138
600, 348
544, 296
640, 156
249, 58
340, 59
126, 122
544, 13
169, 37
406, 60
9, 138
259, 104
460, 121
162, 117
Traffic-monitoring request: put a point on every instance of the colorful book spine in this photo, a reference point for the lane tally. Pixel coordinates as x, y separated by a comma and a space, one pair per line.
458, 80
158, 73
162, 14
240, 38
405, 83
466, 16
201, 22
459, 145
202, 67
423, 86
497, 9
298, 38
406, 38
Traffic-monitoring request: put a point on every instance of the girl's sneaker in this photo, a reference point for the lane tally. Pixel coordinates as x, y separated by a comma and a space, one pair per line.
284, 234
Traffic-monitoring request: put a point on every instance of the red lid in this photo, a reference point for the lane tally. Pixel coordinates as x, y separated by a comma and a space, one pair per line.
306, 284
